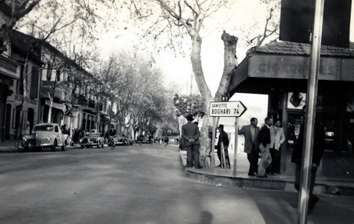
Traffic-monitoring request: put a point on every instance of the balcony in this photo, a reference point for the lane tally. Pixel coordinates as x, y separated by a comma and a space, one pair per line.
9, 68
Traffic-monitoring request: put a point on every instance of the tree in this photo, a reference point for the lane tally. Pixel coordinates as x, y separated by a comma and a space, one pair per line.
187, 17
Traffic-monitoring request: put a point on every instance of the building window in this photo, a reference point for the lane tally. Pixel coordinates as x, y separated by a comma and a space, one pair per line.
57, 75
49, 72
19, 87
34, 82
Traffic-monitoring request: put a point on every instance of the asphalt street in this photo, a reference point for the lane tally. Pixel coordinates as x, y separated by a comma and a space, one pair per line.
133, 185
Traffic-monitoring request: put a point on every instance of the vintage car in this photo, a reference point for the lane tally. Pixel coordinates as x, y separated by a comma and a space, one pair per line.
44, 135
92, 138
141, 139
119, 140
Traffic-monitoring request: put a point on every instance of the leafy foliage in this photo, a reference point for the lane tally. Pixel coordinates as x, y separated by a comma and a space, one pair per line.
137, 89
185, 104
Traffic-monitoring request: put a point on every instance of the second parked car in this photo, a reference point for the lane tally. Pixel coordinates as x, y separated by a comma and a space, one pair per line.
92, 138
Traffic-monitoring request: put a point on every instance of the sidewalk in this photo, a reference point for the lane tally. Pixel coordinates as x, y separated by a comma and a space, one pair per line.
227, 177
8, 146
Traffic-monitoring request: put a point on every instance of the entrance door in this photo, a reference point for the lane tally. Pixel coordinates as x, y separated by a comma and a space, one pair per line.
30, 119
8, 121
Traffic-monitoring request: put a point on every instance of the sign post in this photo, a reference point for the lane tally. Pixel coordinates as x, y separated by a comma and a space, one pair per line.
228, 109
236, 146
212, 163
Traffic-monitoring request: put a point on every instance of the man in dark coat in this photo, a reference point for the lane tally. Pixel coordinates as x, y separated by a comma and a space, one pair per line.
223, 143
250, 132
318, 149
190, 138
264, 140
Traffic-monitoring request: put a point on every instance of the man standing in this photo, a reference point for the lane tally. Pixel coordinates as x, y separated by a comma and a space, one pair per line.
264, 140
250, 132
223, 144
190, 138
277, 140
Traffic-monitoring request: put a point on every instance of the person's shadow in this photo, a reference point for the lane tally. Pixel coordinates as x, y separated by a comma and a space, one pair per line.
205, 218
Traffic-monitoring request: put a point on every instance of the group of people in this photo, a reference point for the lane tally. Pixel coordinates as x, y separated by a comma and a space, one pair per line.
264, 143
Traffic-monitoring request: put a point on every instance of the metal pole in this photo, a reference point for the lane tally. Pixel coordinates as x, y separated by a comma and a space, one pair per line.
235, 146
213, 144
312, 88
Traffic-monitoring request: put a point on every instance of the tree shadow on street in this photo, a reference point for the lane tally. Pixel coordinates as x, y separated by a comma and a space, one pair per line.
206, 218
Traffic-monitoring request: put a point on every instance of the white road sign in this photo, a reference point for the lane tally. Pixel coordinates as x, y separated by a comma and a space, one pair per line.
227, 109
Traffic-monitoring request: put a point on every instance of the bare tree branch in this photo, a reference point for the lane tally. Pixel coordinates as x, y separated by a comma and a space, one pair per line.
196, 14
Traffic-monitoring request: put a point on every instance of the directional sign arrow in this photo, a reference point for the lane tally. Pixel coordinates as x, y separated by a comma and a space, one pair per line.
227, 109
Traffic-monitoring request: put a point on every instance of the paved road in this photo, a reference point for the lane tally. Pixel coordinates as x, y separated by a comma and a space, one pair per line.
138, 184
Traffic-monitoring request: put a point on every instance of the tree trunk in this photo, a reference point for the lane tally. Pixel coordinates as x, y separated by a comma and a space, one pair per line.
198, 69
230, 62
204, 91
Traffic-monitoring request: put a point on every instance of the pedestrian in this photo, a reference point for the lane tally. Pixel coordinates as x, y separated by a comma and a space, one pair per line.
166, 140
277, 140
222, 148
250, 132
264, 140
318, 149
190, 137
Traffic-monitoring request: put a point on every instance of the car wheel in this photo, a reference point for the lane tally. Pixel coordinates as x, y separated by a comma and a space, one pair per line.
63, 148
55, 144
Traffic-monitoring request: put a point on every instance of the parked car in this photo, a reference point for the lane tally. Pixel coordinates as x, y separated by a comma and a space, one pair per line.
141, 139
44, 135
92, 138
120, 140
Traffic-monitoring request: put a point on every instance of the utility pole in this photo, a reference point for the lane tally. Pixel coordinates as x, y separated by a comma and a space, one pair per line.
312, 89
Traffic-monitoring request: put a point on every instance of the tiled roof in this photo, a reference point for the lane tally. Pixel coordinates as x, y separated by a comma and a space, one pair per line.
292, 48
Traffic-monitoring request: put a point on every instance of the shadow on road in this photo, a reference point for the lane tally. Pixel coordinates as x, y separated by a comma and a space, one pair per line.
206, 218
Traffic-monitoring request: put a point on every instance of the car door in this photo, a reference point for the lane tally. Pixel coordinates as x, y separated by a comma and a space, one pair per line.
57, 134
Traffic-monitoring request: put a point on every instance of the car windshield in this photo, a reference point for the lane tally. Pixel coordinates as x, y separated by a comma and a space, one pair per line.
47, 127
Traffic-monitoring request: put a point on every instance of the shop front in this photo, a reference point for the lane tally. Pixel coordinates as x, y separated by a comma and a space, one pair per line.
280, 70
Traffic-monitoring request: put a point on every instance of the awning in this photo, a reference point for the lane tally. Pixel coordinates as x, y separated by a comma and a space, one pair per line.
285, 65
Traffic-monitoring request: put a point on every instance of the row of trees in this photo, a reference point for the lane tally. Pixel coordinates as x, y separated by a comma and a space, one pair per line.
137, 88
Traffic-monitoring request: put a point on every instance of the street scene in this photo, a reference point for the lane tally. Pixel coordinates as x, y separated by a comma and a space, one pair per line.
176, 111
